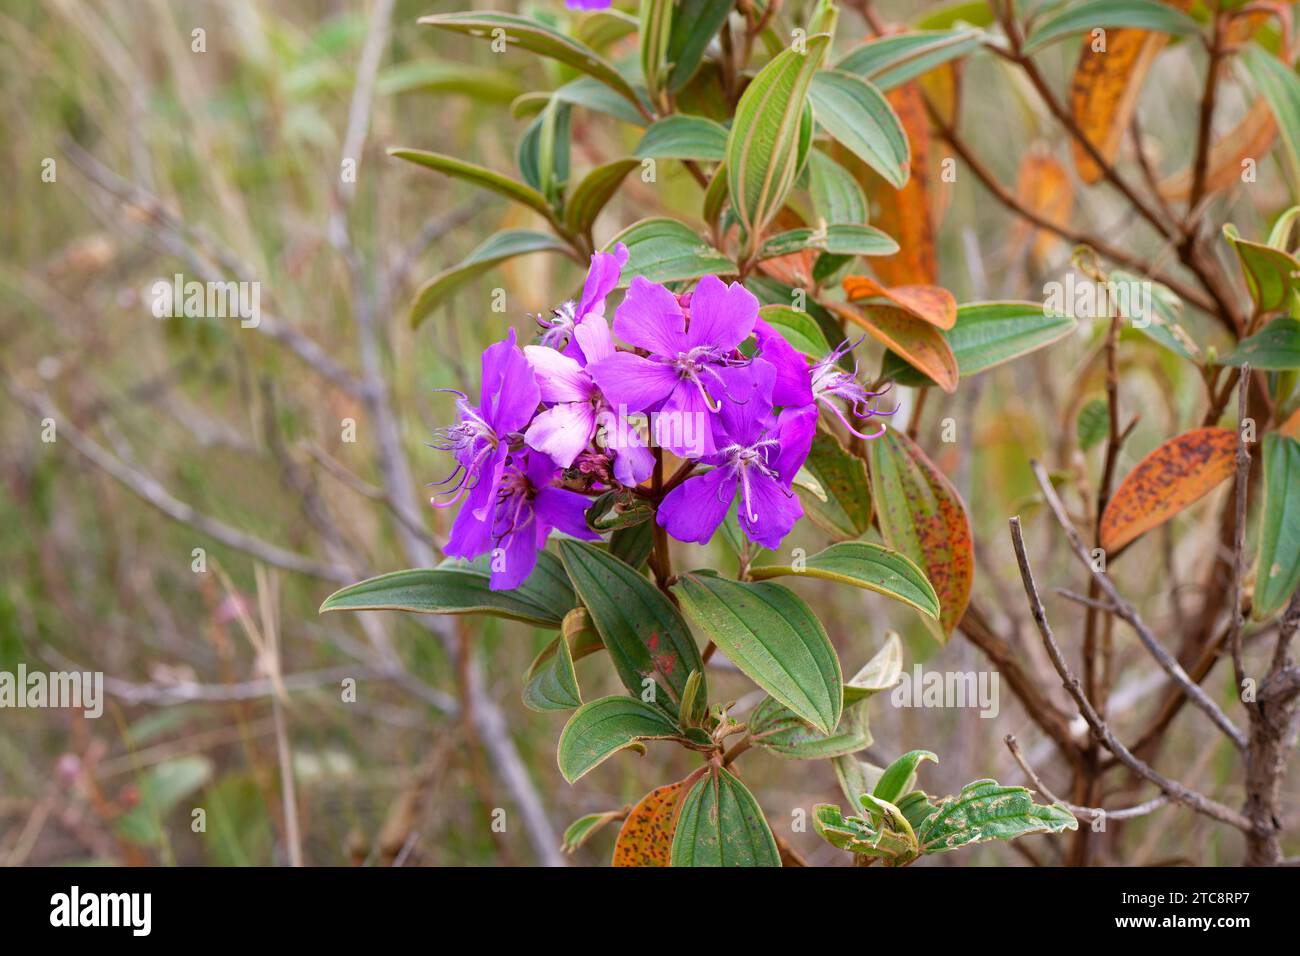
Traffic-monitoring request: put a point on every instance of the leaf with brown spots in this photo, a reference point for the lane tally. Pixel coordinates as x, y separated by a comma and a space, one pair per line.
921, 515
1104, 93
906, 213
920, 344
646, 838
1179, 472
929, 303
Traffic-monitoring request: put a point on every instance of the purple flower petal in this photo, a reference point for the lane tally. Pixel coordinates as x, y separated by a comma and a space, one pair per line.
773, 510
795, 428
693, 510
471, 535
633, 382
602, 279
594, 338
745, 400
509, 390
564, 510
559, 378
650, 318
562, 431
721, 315
684, 425
515, 557
793, 375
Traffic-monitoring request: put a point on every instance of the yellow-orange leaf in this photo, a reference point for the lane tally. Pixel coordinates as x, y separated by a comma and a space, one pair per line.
1291, 427
1179, 472
920, 344
929, 303
1251, 138
646, 838
1104, 92
1043, 186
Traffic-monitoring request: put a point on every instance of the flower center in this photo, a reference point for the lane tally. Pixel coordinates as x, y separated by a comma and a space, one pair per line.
745, 461
559, 327
472, 440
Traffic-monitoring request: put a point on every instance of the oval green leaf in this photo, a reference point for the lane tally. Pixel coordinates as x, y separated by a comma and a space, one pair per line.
868, 565
1274, 348
721, 824
598, 730
1278, 574
859, 117
665, 250
684, 137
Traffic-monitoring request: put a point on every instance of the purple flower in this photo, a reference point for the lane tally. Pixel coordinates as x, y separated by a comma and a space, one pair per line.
587, 4
519, 518
509, 396
830, 381
602, 279
757, 457
681, 378
565, 429
793, 386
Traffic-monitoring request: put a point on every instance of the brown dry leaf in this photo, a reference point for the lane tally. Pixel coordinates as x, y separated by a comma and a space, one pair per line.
1043, 186
906, 213
646, 838
917, 342
1252, 136
929, 303
1179, 472
1104, 92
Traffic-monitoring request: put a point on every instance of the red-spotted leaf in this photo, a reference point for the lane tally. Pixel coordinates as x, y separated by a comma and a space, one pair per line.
647, 835
1179, 472
921, 515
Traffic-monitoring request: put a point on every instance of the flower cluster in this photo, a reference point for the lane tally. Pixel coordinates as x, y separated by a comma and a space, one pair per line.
719, 387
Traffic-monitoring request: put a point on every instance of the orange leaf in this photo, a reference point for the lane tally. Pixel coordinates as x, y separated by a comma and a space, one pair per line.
906, 213
1250, 138
1291, 427
920, 344
1104, 92
921, 515
1179, 472
1043, 186
646, 838
929, 303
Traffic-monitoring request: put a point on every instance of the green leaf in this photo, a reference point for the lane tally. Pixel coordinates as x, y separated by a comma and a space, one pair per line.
985, 810
764, 145
551, 682
162, 787
585, 92
841, 240
618, 509
894, 781
536, 38
478, 175
1278, 573
855, 776
684, 137
598, 730
799, 329
665, 250
696, 24
836, 195
988, 334
840, 503
921, 515
1281, 88
656, 29
543, 599
864, 836
776, 728
544, 150
1274, 348
596, 189
1270, 273
633, 545
721, 824
867, 565
434, 76
879, 673
891, 61
1163, 326
774, 638
644, 634
582, 829
496, 250
859, 117
1139, 14
1093, 423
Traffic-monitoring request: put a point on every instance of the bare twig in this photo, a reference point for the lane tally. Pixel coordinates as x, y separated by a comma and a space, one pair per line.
1092, 813
1176, 791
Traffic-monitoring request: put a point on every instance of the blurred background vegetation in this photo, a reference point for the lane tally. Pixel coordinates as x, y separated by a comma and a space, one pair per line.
226, 684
